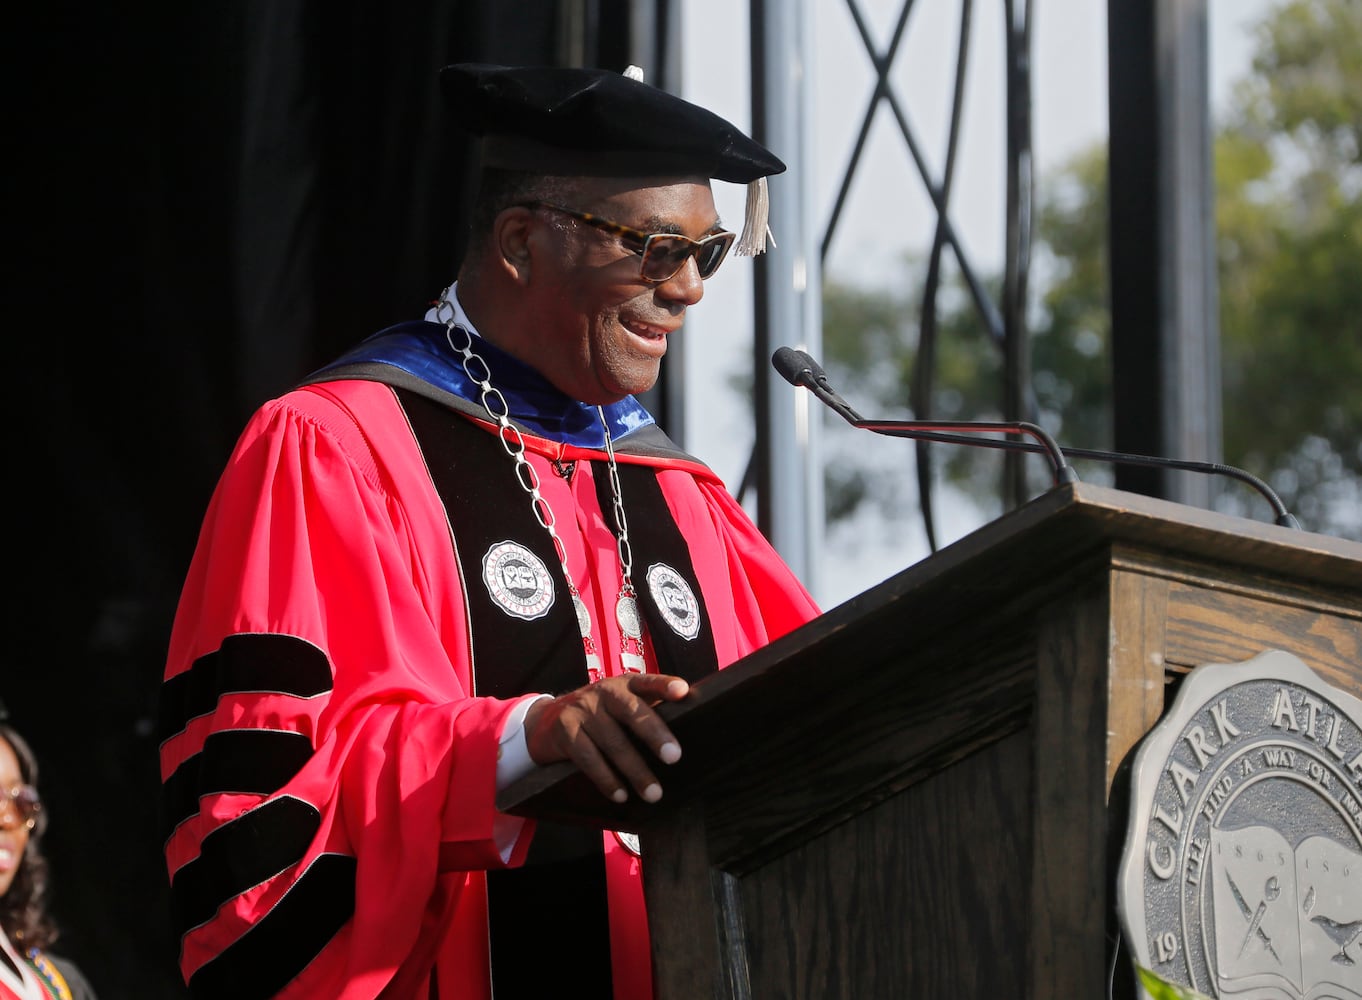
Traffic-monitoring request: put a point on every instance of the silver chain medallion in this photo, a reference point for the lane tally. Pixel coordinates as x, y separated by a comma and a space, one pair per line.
631, 633
593, 662
626, 613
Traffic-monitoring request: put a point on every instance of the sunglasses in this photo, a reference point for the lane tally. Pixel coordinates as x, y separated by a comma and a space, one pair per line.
661, 254
19, 807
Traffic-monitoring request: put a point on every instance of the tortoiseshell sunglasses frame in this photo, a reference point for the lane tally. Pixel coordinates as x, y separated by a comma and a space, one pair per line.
650, 242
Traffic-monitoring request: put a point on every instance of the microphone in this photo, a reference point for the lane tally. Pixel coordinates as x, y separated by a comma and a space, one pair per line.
799, 369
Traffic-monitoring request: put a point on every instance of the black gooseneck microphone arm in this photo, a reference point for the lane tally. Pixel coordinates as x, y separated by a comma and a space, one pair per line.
799, 369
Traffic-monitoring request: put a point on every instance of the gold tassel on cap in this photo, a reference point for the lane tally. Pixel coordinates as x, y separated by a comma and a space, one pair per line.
755, 228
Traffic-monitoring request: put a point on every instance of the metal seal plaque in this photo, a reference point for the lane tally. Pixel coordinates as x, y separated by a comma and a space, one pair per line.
1242, 869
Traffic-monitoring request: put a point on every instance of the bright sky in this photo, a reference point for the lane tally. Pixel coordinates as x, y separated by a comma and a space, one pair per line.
887, 212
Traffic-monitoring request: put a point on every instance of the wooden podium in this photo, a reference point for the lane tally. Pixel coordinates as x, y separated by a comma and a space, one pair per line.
909, 797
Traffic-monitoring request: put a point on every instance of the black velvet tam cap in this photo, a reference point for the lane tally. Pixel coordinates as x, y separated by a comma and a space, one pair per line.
598, 123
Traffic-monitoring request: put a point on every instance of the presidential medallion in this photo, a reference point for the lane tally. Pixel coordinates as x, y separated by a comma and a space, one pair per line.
593, 662
631, 633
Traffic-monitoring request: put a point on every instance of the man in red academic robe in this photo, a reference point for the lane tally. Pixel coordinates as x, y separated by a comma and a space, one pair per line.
462, 551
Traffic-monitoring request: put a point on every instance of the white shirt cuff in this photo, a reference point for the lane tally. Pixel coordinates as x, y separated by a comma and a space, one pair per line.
513, 761
513, 753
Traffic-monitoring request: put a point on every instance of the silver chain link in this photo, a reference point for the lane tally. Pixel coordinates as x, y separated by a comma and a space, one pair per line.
621, 522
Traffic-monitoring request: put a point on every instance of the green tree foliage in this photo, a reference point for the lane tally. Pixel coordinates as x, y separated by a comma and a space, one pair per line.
1071, 327
1289, 218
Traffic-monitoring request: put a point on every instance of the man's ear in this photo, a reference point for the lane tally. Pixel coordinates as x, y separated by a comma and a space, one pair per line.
511, 237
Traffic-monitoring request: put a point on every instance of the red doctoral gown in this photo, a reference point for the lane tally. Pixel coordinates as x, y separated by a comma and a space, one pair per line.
328, 762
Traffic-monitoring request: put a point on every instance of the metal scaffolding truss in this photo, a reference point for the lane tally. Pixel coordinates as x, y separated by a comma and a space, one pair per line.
1161, 237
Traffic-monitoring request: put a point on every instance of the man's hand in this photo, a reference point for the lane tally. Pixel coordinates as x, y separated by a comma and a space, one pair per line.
590, 727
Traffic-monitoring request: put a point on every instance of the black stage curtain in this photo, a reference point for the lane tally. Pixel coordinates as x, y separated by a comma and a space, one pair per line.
211, 200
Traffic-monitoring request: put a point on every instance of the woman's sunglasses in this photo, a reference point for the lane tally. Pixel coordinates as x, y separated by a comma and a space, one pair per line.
19, 806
